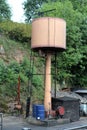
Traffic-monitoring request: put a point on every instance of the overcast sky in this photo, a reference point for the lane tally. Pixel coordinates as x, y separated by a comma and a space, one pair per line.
17, 10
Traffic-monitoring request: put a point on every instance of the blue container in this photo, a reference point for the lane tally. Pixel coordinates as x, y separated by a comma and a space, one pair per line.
40, 112
34, 110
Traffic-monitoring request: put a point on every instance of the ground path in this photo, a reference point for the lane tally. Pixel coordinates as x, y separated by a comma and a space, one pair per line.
17, 123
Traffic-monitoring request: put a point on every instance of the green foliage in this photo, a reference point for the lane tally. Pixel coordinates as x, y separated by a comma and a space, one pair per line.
9, 77
31, 76
5, 11
15, 31
31, 8
71, 65
79, 5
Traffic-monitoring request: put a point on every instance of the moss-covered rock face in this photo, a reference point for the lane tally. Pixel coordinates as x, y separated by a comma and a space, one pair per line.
15, 61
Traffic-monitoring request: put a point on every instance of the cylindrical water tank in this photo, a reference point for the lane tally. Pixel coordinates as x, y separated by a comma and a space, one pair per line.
48, 34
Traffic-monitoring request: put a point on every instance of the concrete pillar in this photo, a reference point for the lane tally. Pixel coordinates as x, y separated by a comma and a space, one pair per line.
47, 96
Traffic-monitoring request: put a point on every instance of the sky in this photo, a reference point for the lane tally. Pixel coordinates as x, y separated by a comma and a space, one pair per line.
17, 10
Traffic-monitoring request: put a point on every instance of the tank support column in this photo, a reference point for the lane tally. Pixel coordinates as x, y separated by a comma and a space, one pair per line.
47, 96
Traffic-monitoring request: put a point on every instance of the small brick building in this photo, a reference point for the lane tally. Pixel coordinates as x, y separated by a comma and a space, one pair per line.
71, 106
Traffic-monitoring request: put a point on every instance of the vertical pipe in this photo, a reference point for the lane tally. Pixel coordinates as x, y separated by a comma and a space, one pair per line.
31, 73
55, 74
18, 91
47, 96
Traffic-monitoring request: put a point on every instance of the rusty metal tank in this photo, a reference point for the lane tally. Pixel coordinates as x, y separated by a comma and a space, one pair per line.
48, 34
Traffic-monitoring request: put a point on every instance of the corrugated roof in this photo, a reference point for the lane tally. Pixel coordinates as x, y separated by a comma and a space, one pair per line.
81, 91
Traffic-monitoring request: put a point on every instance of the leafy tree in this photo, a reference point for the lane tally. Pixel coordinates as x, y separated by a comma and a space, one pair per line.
72, 63
31, 8
79, 4
5, 11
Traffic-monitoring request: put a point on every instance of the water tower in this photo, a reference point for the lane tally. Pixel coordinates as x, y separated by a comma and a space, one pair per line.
48, 36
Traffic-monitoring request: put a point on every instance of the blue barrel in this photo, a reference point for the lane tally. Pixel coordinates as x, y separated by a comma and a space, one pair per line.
40, 112
34, 110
